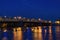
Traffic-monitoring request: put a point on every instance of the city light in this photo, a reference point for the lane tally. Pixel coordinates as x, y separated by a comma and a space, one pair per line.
5, 16
49, 21
32, 19
15, 17
5, 30
39, 19
28, 19
19, 17
58, 22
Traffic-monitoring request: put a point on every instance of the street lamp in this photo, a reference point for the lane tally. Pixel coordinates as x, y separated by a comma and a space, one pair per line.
58, 22
15, 17
19, 17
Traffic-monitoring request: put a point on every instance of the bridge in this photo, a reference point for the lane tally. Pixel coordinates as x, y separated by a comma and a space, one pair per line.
10, 23
23, 22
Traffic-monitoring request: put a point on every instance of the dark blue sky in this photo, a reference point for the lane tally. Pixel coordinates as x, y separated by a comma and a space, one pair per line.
45, 9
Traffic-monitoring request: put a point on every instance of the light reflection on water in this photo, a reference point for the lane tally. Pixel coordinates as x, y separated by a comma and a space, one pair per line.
17, 34
31, 33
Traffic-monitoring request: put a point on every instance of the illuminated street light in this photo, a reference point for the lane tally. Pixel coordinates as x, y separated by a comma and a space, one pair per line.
49, 21
39, 19
19, 17
58, 22
15, 17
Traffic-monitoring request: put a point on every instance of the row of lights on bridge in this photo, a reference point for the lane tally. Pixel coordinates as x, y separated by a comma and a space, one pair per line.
58, 22
31, 19
19, 17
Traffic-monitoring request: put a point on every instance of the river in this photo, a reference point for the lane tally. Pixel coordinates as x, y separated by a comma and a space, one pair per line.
31, 33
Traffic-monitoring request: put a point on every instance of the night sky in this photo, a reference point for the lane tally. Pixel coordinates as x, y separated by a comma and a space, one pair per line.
45, 9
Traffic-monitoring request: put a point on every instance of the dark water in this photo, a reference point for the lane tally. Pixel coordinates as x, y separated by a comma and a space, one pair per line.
33, 33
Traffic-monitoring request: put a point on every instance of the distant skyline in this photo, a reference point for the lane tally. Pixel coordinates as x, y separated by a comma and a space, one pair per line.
45, 9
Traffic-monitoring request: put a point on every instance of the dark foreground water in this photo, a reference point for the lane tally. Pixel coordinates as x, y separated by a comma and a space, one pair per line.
33, 33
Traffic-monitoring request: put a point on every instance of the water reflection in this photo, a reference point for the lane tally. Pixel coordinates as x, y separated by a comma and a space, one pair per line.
6, 35
58, 32
27, 35
31, 33
37, 34
17, 34
4, 38
54, 33
45, 32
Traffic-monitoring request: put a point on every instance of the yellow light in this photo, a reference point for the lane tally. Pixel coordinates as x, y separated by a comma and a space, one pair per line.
37, 35
18, 29
35, 30
40, 30
50, 31
57, 22
32, 29
14, 29
17, 34
4, 25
